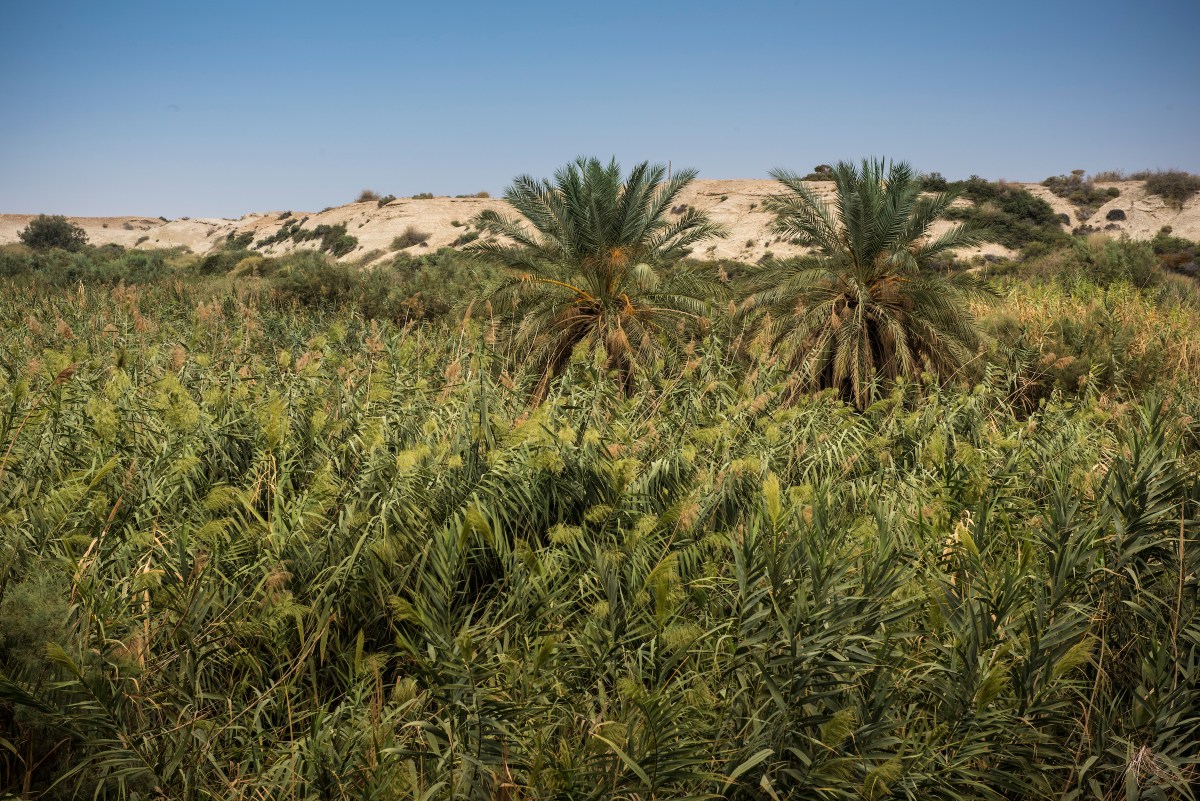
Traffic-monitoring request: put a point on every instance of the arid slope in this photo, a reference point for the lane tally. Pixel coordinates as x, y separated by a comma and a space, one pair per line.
736, 204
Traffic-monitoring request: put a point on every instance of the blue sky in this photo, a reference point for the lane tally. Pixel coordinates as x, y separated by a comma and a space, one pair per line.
220, 108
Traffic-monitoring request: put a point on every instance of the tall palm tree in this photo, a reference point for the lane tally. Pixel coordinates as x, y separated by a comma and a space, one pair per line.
868, 306
588, 254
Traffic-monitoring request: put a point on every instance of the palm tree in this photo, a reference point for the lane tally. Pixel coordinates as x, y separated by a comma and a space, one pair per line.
588, 254
868, 306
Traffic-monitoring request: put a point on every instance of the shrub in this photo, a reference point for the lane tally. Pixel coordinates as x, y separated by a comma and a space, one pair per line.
56, 231
368, 196
313, 280
333, 238
423, 196
339, 243
110, 264
1016, 218
1174, 186
1176, 254
934, 182
1080, 190
220, 263
14, 260
1115, 214
1105, 261
239, 241
383, 201
286, 231
410, 237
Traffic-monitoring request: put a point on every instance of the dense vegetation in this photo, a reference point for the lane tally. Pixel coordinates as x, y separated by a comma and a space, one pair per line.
269, 531
1015, 218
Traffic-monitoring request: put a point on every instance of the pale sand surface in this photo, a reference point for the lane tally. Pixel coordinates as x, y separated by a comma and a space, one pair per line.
740, 212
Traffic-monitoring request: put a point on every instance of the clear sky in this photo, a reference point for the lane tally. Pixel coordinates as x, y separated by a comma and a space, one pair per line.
219, 108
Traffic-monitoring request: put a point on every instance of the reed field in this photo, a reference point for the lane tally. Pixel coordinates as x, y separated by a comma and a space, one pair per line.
275, 533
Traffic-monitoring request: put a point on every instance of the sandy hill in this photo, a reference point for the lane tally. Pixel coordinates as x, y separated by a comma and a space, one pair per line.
736, 204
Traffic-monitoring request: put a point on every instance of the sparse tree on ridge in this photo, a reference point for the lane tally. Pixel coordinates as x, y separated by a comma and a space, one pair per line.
869, 307
587, 253
45, 232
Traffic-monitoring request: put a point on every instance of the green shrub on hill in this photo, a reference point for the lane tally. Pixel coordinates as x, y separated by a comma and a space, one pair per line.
1081, 191
1175, 186
1016, 218
332, 239
46, 232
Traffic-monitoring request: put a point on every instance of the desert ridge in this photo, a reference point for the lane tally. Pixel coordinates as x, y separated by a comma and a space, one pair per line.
736, 204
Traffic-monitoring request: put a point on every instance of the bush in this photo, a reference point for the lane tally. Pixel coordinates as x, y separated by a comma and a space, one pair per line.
368, 196
934, 182
1175, 254
1016, 218
423, 196
421, 288
110, 264
410, 237
56, 231
220, 262
239, 241
286, 232
333, 238
1174, 186
15, 260
1080, 190
314, 280
383, 201
1105, 261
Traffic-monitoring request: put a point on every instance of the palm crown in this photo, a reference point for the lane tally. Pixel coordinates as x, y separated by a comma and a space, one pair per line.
587, 253
869, 306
